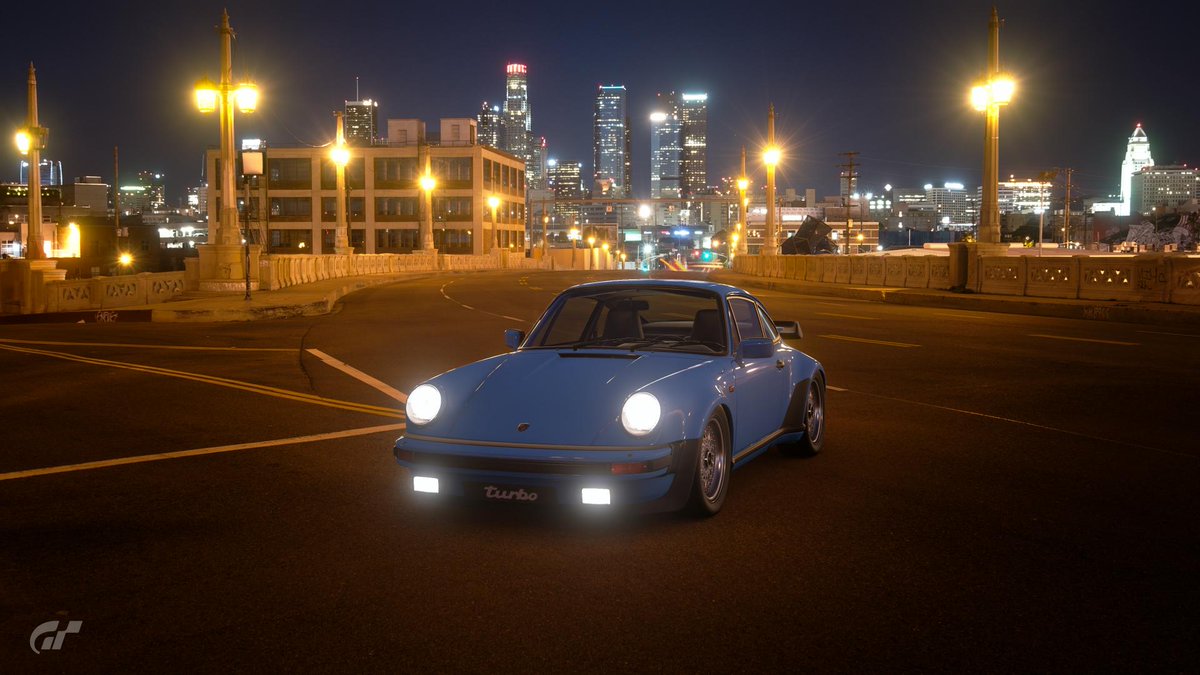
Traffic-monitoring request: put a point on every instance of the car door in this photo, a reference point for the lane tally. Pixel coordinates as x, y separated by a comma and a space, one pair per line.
760, 385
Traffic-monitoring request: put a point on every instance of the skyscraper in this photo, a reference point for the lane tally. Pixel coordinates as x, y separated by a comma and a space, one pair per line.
362, 122
693, 118
488, 128
610, 142
565, 180
665, 153
1137, 155
516, 124
535, 171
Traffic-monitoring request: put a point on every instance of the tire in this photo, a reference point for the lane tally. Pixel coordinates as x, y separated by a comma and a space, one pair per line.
714, 464
814, 422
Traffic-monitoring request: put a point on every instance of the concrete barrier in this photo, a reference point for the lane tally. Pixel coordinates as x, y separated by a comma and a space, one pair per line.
828, 269
1002, 275
916, 271
940, 276
875, 270
858, 269
894, 271
1052, 277
842, 270
1183, 274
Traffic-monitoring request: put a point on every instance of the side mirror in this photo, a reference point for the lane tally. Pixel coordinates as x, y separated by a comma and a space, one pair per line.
757, 348
789, 329
513, 337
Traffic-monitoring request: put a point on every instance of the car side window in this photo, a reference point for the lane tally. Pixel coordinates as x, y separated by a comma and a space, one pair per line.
768, 325
745, 317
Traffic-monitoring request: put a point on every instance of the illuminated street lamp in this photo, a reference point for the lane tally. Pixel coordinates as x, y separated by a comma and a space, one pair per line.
427, 183
493, 203
591, 242
996, 90
31, 140
574, 237
771, 156
223, 97
743, 184
340, 154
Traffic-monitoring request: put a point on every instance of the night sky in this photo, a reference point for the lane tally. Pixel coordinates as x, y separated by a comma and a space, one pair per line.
889, 80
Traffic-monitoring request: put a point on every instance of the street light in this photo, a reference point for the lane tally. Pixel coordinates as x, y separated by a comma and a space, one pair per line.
493, 203
427, 183
340, 154
987, 96
31, 140
223, 97
771, 157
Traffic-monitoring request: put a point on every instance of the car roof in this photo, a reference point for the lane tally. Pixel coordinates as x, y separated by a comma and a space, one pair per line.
684, 284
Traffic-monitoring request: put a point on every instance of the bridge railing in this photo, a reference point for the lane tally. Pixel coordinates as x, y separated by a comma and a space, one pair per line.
1148, 277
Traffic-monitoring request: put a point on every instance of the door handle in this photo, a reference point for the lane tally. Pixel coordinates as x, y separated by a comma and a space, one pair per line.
779, 364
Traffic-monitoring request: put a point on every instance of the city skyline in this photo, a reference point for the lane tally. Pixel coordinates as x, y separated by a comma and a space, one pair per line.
903, 105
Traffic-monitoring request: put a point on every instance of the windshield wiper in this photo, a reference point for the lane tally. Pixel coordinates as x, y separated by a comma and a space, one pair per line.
676, 341
599, 342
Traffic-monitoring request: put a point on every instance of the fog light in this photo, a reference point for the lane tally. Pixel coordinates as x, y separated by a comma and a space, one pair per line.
425, 484
596, 496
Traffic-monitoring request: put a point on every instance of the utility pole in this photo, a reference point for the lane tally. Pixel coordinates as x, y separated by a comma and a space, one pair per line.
1067, 210
851, 176
117, 201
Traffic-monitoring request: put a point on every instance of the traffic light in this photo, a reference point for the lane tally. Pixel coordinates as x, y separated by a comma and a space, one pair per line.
706, 256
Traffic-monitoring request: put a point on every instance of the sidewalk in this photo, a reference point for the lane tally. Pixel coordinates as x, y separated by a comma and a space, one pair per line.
1101, 310
311, 299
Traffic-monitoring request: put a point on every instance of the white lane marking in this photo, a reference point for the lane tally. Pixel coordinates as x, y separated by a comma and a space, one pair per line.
138, 459
1155, 332
830, 386
885, 343
848, 316
1079, 339
143, 346
1029, 424
502, 316
360, 375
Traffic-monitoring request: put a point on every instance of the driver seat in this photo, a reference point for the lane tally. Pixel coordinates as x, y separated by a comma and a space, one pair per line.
706, 327
623, 321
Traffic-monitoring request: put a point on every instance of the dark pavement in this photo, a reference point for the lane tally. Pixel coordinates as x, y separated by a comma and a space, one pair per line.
998, 492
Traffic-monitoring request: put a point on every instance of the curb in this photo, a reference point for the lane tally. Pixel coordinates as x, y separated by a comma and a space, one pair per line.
1090, 310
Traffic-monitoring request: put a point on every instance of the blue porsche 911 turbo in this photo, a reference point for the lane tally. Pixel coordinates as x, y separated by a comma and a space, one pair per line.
641, 393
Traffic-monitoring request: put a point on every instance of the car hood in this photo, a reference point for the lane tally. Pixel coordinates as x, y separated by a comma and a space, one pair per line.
565, 397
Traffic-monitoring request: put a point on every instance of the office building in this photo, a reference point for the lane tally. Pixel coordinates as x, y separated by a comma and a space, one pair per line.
956, 207
693, 118
1137, 156
536, 169
361, 123
665, 153
566, 182
294, 209
51, 174
1162, 187
516, 123
488, 127
610, 143
1021, 196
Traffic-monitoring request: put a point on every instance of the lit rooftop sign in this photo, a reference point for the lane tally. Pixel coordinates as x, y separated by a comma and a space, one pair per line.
658, 117
516, 69
695, 97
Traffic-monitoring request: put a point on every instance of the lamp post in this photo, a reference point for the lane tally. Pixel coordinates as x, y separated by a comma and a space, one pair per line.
427, 183
987, 97
771, 157
743, 184
222, 97
493, 203
31, 140
252, 165
340, 154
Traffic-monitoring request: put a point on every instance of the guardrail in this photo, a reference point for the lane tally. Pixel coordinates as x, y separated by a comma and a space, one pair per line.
1150, 277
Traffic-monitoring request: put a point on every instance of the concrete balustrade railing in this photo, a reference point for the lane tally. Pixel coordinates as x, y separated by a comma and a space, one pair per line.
1150, 277
111, 292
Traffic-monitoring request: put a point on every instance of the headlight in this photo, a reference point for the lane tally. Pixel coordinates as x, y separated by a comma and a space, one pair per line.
423, 404
640, 413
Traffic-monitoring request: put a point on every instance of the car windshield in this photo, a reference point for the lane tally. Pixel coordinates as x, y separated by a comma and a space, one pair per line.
635, 319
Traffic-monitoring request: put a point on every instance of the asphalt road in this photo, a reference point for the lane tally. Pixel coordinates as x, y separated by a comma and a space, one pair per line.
997, 493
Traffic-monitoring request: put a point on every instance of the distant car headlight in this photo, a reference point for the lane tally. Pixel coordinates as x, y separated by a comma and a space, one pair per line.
423, 404
640, 413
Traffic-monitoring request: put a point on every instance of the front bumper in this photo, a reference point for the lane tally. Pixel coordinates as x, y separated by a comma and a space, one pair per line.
647, 479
